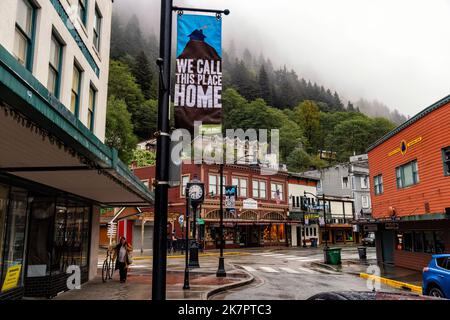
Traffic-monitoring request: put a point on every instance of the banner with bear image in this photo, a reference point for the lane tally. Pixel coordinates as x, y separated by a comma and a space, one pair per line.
198, 78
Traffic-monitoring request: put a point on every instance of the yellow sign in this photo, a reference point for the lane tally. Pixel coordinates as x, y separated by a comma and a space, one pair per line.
404, 146
12, 277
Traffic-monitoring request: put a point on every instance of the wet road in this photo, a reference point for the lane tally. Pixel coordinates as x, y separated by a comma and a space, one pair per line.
291, 274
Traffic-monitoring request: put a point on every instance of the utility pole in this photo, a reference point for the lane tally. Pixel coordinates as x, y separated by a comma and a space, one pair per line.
162, 155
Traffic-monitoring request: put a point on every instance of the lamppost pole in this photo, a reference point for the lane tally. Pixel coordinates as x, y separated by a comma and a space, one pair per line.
162, 156
186, 246
221, 270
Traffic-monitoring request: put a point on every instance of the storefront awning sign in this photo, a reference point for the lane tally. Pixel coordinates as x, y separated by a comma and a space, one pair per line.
250, 204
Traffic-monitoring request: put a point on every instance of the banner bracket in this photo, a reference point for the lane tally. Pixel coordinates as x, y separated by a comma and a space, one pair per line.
180, 10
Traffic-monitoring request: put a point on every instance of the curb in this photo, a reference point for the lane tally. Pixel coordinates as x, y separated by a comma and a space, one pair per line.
326, 266
393, 283
230, 286
200, 255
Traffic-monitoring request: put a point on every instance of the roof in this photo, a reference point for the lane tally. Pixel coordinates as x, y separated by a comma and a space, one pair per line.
303, 176
410, 121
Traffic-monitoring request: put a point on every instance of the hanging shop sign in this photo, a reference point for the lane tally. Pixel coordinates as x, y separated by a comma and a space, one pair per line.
391, 226
198, 83
230, 197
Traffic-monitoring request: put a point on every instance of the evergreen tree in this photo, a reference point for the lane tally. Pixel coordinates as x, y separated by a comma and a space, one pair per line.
265, 89
143, 74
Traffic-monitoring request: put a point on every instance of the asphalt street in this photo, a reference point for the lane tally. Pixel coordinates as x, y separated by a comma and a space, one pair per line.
291, 274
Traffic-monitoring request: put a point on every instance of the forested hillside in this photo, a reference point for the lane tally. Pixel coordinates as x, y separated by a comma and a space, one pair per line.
255, 95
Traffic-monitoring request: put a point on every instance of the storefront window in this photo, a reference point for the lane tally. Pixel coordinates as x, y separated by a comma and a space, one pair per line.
439, 240
418, 242
407, 241
428, 243
41, 231
349, 236
281, 235
3, 207
15, 232
339, 236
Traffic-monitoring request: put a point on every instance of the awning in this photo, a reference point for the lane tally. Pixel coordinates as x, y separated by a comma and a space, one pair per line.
42, 141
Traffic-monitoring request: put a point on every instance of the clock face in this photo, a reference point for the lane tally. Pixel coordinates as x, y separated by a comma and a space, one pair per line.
195, 192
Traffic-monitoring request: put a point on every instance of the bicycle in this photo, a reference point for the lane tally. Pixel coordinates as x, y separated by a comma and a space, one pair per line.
108, 266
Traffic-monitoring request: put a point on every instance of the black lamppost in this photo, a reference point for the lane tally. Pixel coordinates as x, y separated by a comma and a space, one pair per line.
186, 246
221, 269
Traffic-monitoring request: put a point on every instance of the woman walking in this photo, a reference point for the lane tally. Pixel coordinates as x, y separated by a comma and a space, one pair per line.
122, 254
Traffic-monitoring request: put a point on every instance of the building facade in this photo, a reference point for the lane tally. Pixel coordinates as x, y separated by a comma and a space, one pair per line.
260, 218
336, 195
303, 209
55, 171
410, 172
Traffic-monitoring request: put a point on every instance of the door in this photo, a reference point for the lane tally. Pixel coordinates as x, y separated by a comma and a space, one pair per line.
148, 236
388, 241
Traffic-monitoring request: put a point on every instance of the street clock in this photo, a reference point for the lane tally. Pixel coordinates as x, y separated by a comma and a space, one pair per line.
196, 192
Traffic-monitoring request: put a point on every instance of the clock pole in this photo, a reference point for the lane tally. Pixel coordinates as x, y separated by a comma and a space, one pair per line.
221, 270
186, 246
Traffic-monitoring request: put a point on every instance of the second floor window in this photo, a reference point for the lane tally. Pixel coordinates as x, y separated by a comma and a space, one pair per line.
378, 184
407, 175
97, 28
259, 189
364, 182
345, 183
54, 68
276, 191
365, 202
82, 10
23, 39
214, 185
241, 183
91, 108
446, 159
75, 96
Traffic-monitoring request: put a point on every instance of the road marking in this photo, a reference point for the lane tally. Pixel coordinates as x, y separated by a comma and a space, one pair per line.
249, 269
305, 270
269, 269
289, 270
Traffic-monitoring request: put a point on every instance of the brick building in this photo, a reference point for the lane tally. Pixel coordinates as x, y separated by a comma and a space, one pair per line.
261, 205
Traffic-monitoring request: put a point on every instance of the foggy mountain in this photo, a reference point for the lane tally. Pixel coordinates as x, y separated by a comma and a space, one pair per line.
237, 44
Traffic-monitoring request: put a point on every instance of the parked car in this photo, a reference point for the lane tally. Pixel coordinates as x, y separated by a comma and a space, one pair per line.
436, 277
369, 240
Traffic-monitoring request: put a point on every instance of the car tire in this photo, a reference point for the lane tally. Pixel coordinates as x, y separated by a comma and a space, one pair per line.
436, 292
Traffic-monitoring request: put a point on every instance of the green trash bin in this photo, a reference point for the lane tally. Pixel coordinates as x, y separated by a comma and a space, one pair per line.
333, 256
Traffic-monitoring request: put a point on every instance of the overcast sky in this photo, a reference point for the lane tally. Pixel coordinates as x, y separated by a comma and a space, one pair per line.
395, 51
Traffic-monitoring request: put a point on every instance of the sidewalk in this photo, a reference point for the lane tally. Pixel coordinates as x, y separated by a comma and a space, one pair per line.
203, 283
397, 277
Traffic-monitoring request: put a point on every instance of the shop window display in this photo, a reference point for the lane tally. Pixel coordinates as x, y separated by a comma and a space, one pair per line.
14, 246
4, 190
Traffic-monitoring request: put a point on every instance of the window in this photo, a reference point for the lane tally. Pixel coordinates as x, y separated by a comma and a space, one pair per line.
241, 183
91, 108
365, 202
82, 12
378, 184
4, 190
446, 160
24, 34
439, 241
184, 182
54, 66
443, 263
97, 28
276, 191
364, 182
418, 242
345, 183
259, 189
407, 175
15, 236
428, 242
75, 97
407, 241
214, 184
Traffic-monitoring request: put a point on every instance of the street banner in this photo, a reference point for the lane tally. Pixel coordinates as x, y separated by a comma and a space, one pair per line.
230, 197
198, 77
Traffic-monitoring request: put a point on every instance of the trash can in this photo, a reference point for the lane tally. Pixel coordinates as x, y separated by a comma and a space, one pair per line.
362, 251
313, 243
333, 256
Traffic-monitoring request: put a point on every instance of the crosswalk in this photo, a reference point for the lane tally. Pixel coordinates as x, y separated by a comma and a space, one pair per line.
280, 270
283, 256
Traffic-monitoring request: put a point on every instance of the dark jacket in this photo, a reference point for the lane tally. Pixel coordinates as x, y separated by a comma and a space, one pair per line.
116, 254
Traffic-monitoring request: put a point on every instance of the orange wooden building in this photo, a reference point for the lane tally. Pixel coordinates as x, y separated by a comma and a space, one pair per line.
410, 175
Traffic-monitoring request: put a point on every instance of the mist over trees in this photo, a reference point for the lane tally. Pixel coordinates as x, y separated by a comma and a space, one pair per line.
255, 94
